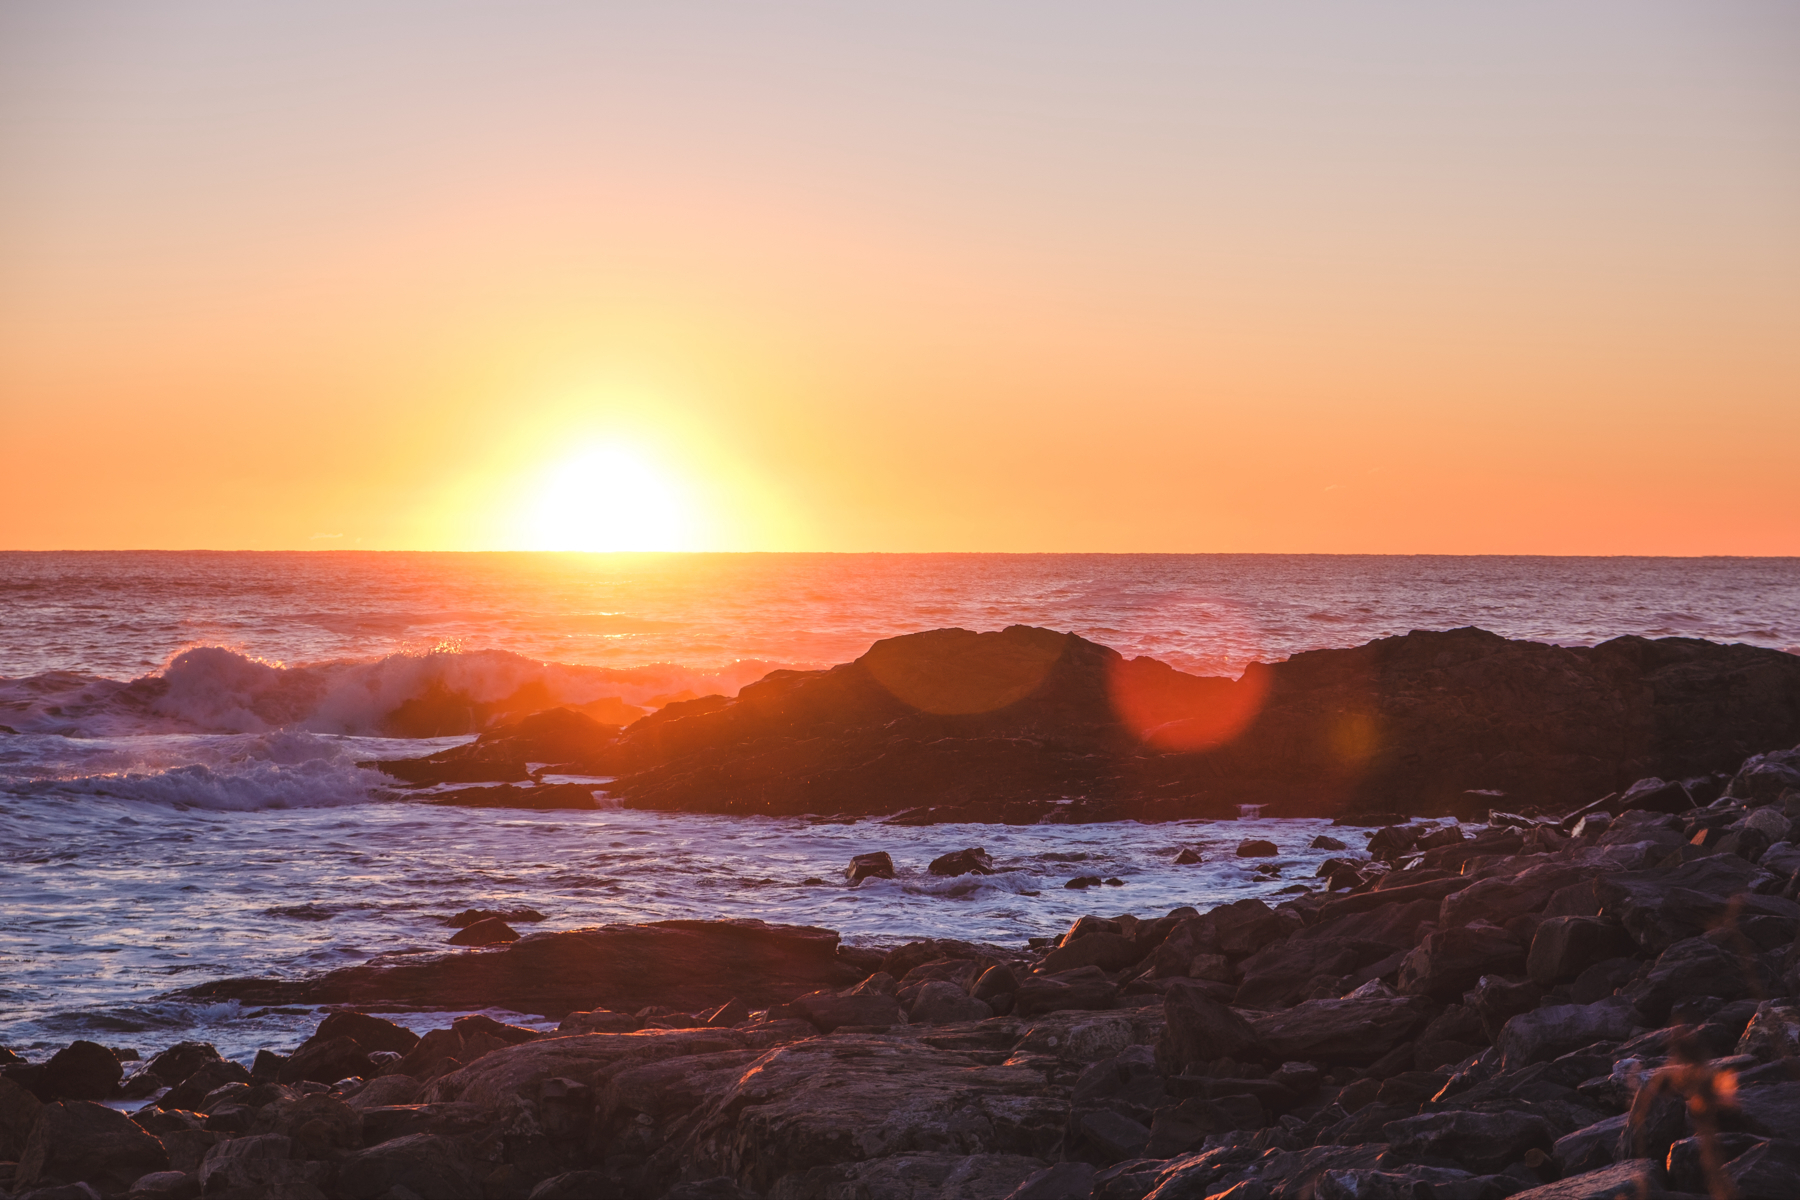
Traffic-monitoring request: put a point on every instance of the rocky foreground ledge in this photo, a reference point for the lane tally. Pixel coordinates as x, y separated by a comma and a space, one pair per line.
1599, 1006
1027, 725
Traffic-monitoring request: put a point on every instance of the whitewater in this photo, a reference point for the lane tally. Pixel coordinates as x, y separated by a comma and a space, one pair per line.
180, 799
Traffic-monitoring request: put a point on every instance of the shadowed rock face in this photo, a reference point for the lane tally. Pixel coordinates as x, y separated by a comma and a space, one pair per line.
999, 726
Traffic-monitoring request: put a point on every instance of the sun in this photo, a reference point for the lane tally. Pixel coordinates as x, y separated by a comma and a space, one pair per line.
607, 498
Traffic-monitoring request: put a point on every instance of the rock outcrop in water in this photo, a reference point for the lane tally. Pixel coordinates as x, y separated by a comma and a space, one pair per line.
1560, 1010
1029, 724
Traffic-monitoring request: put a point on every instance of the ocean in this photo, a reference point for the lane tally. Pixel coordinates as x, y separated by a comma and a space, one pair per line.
180, 801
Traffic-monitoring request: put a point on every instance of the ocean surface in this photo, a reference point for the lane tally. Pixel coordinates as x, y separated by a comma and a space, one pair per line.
179, 799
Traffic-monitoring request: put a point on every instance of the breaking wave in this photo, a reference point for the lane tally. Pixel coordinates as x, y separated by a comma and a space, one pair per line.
214, 690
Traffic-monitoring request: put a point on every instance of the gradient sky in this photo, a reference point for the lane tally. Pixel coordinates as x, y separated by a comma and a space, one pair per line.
1272, 276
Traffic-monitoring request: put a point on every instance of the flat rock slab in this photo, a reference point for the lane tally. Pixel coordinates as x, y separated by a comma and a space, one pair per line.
830, 1101
1637, 1178
1351, 1032
687, 965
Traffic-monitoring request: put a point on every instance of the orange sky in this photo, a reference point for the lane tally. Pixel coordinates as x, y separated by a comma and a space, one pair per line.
1279, 277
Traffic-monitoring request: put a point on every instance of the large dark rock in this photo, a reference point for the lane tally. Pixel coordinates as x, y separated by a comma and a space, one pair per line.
984, 722
686, 965
1201, 1030
1352, 1032
179, 1061
1564, 947
18, 1113
499, 755
424, 1165
78, 1141
190, 1092
1084, 988
874, 865
1448, 962
1556, 1029
965, 726
973, 861
372, 1033
80, 1071
327, 1061
1482, 1142
490, 932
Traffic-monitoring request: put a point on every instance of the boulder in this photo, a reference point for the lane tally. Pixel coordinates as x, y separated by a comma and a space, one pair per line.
1770, 1171
876, 865
490, 932
973, 861
1766, 777
1657, 796
386, 1090
1284, 973
18, 1113
327, 1061
1449, 962
1108, 951
175, 1064
1772, 1033
1773, 1110
426, 1166
1592, 1146
1637, 1177
165, 1185
261, 1164
191, 1092
1256, 848
78, 1141
1660, 908
1242, 928
1563, 947
1198, 1029
1351, 1032
371, 1033
940, 1002
1556, 1029
832, 1101
1086, 988
80, 1071
828, 1010
1696, 966
318, 1126
590, 1059
997, 980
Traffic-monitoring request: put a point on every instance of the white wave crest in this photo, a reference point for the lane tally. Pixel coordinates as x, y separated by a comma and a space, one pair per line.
242, 787
211, 689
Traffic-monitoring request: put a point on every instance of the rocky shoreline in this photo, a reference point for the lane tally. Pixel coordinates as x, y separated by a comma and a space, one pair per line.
1029, 725
1592, 1004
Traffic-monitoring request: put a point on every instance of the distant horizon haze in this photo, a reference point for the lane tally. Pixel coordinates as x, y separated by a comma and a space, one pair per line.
1379, 277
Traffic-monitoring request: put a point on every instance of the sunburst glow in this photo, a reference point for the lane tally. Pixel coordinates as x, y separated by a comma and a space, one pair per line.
609, 497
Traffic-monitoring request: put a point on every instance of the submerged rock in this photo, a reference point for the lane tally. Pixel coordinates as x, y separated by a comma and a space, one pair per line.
973, 861
488, 932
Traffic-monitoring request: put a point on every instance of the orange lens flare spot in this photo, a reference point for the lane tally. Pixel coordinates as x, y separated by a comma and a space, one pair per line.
952, 671
1353, 738
1172, 711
